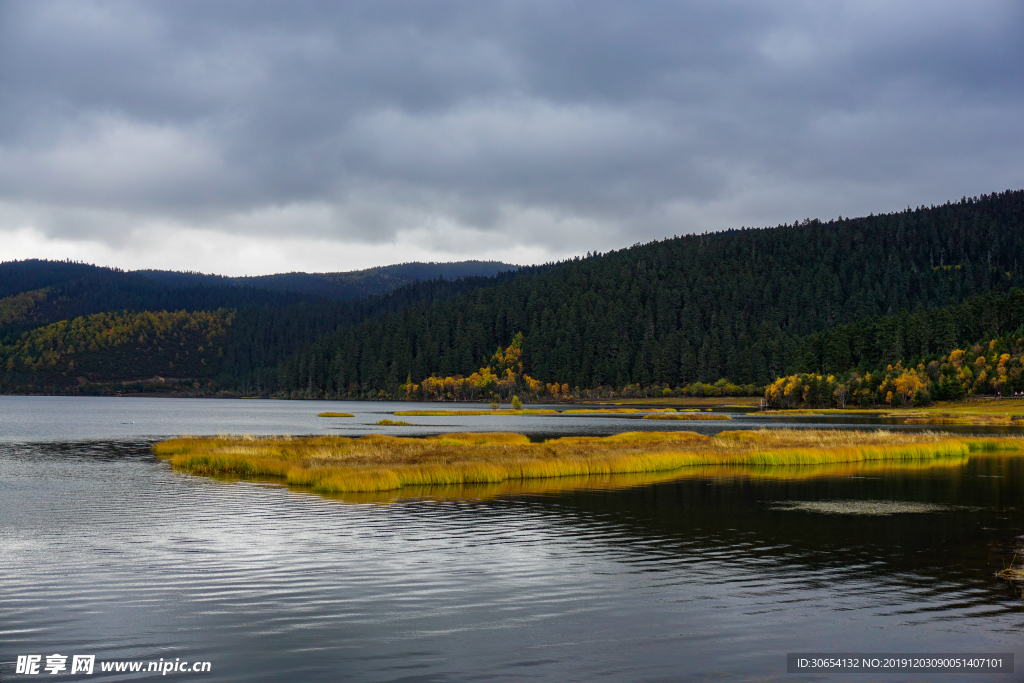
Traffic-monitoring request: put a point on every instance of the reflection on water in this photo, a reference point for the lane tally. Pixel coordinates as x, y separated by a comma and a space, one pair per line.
714, 575
609, 482
860, 507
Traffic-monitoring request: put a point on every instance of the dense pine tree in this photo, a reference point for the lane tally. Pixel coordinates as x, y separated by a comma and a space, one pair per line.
736, 304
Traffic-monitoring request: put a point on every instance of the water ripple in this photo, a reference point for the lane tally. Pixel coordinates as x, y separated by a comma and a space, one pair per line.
104, 550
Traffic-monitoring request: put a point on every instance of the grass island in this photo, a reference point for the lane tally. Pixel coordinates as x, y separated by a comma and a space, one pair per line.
335, 464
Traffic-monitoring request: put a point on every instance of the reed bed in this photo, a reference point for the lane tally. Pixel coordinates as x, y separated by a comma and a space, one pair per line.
393, 423
686, 416
382, 463
335, 415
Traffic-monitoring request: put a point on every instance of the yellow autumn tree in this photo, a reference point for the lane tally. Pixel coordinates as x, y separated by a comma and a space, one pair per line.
909, 382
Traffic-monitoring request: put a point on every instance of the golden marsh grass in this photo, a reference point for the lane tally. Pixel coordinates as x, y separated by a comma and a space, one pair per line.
383, 463
335, 415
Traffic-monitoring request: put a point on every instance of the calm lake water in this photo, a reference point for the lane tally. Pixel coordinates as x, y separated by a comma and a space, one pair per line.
106, 551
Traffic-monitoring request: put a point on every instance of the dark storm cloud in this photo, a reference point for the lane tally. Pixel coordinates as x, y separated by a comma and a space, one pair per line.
536, 119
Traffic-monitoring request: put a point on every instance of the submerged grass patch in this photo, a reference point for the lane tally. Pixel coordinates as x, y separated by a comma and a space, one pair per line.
733, 401
382, 463
1015, 572
798, 412
687, 416
586, 411
447, 413
527, 411
393, 423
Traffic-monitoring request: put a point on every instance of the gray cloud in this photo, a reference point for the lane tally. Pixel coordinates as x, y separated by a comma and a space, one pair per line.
558, 126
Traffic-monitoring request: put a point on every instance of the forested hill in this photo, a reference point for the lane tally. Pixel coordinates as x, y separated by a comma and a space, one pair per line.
340, 286
35, 292
54, 320
733, 304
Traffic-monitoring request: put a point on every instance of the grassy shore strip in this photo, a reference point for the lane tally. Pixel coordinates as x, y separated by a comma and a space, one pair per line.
694, 416
992, 406
919, 418
1009, 407
994, 420
382, 463
335, 415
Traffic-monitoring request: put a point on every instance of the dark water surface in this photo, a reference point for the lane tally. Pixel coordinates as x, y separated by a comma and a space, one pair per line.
104, 550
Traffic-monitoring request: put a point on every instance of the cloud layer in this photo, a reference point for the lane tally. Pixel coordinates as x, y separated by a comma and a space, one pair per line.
245, 137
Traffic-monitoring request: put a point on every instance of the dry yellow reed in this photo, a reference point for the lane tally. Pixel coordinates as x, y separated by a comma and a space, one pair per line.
381, 462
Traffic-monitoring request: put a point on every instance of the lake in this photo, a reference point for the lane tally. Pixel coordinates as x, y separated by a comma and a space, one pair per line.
105, 551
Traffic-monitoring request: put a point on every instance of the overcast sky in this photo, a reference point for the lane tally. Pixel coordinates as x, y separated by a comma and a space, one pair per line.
258, 137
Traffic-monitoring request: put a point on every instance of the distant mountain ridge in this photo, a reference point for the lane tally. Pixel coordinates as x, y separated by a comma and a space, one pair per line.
36, 292
341, 286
